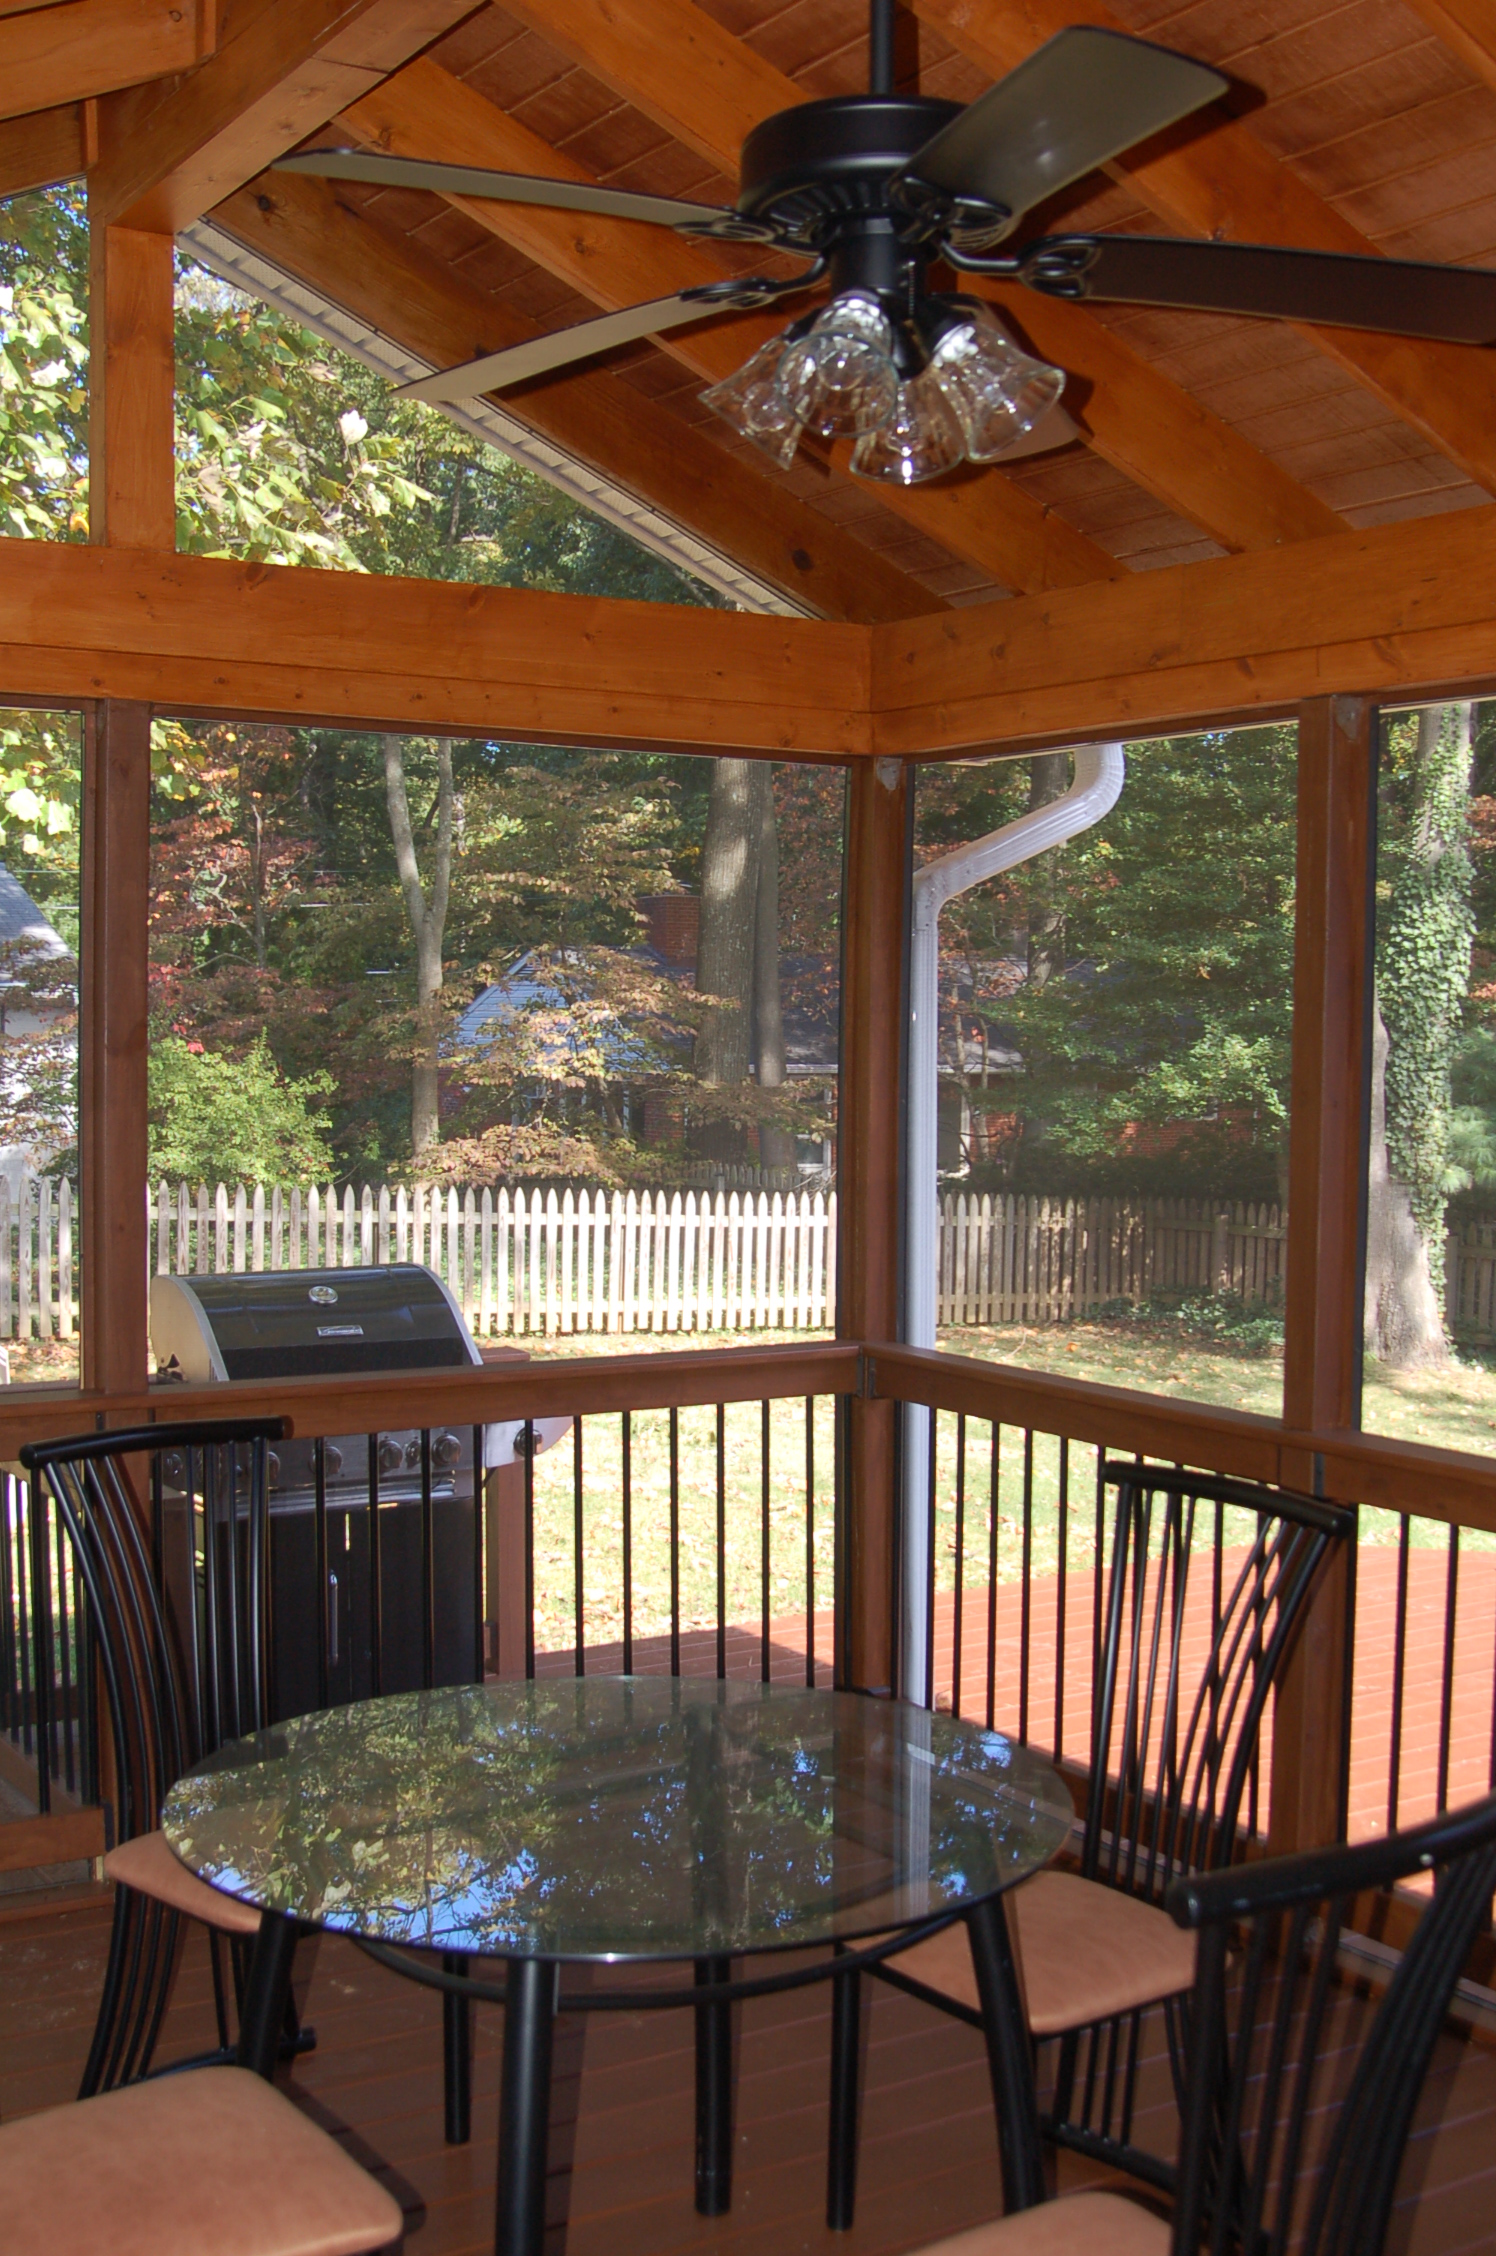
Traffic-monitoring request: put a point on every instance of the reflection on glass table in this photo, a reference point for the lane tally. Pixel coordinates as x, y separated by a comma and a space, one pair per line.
609, 1819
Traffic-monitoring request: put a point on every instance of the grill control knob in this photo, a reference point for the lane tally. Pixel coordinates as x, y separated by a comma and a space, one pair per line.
413, 1452
445, 1451
332, 1460
391, 1455
272, 1469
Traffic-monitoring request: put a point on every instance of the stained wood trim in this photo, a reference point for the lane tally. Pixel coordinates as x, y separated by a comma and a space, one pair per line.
1402, 606
132, 499
69, 52
276, 639
62, 1838
310, 229
38, 150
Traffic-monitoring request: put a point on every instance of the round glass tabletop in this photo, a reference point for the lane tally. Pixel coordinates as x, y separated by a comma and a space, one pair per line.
618, 1817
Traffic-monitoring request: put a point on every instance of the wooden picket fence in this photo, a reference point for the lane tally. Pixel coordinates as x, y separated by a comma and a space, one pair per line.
679, 1261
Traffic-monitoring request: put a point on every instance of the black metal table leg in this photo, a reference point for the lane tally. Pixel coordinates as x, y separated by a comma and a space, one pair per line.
846, 2069
714, 2095
1009, 2055
262, 2015
457, 2055
525, 2106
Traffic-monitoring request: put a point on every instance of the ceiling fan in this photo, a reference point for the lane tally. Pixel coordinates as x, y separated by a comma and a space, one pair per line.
871, 188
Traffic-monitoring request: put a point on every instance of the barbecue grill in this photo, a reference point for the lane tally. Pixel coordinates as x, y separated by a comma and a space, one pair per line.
380, 1529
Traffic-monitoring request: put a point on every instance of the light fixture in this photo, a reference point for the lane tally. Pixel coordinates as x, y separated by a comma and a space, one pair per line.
922, 387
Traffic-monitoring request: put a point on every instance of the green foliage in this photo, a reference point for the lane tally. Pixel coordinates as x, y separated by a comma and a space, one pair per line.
217, 1118
1250, 1327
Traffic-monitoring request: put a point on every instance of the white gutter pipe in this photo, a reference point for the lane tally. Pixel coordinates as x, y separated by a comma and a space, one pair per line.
1099, 771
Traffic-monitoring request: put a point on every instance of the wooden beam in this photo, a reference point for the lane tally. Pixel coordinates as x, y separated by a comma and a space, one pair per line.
284, 68
1333, 931
674, 62
1468, 29
46, 146
263, 640
880, 800
66, 53
424, 111
1395, 607
310, 229
62, 1837
132, 378
1217, 179
112, 1046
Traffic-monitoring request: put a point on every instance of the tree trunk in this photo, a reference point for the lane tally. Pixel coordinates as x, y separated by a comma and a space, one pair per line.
1423, 976
776, 1145
1049, 779
428, 921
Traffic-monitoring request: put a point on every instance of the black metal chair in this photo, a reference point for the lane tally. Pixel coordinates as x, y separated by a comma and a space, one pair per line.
1306, 2059
1183, 1676
163, 1636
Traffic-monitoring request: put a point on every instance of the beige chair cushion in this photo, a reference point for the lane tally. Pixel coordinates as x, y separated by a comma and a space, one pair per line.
211, 2163
1082, 2224
149, 1865
1087, 1952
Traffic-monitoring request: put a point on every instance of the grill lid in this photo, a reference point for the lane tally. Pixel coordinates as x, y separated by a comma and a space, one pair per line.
307, 1323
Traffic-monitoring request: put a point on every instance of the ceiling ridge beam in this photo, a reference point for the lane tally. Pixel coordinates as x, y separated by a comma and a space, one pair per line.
308, 228
1215, 178
424, 111
704, 87
51, 56
167, 153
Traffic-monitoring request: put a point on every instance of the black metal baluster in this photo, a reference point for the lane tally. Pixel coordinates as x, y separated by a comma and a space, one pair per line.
994, 1496
1399, 1674
959, 1590
428, 1567
578, 1539
628, 1543
766, 1553
1446, 1688
721, 1539
480, 1552
67, 1720
322, 1568
376, 1575
1026, 1593
529, 1442
675, 1542
1061, 1564
810, 1539
927, 1689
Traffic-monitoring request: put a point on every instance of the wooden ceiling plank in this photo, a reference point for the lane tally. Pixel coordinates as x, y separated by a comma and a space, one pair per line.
257, 638
310, 229
286, 67
1137, 419
1397, 606
424, 111
68, 53
47, 146
1218, 179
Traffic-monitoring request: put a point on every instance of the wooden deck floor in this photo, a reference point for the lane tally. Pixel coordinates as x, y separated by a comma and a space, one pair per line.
621, 2149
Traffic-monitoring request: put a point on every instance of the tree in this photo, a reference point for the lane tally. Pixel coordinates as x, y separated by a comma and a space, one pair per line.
427, 911
1422, 982
737, 961
226, 1119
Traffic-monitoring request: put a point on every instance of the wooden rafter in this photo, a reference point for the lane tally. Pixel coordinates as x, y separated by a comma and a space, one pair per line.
1400, 607
671, 60
67, 53
46, 146
424, 111
307, 228
261, 640
1222, 181
1468, 29
284, 68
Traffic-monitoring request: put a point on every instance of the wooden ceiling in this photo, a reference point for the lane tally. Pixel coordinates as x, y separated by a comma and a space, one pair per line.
1355, 124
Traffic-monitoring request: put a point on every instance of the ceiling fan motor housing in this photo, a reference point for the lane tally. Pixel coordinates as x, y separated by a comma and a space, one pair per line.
812, 170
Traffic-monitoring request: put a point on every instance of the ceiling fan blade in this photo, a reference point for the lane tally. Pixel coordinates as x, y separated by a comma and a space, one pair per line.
1056, 429
1084, 96
1403, 297
381, 170
537, 356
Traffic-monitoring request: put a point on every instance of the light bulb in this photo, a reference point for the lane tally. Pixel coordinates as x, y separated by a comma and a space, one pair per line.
923, 438
1000, 393
839, 377
755, 405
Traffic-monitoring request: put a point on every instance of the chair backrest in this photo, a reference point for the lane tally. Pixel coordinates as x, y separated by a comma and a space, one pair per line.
1193, 1636
174, 1679
1304, 2074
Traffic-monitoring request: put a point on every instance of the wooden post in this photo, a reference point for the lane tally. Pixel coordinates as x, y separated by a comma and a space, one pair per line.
880, 803
1333, 940
132, 453
112, 1045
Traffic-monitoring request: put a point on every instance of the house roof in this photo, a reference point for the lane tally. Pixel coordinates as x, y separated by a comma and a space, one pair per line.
1353, 124
23, 925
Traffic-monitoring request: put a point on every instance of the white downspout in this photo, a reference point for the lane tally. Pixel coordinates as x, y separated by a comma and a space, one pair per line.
1099, 771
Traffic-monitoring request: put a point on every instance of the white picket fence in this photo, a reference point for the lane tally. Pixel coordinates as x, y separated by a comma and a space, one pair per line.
680, 1261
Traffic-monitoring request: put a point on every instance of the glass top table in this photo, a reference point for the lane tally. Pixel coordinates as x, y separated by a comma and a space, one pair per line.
612, 1819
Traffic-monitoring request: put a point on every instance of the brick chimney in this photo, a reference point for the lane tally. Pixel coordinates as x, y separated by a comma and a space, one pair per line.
672, 921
